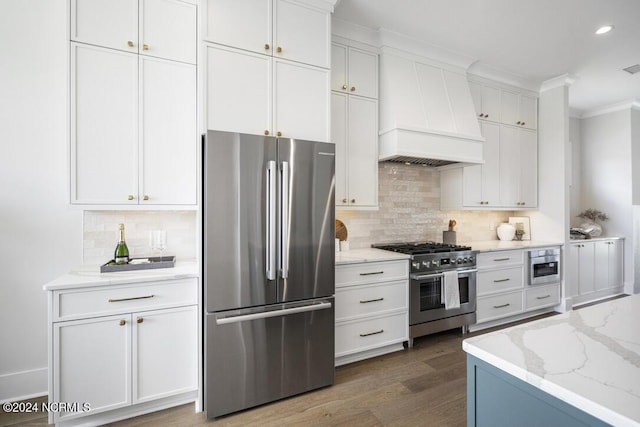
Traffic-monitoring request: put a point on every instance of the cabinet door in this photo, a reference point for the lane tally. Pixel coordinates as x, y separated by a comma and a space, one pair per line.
92, 363
301, 101
108, 23
168, 29
238, 91
362, 152
491, 103
510, 109
165, 353
363, 73
509, 166
573, 271
245, 25
601, 265
586, 259
491, 166
339, 137
472, 186
616, 263
339, 79
302, 33
529, 111
168, 132
104, 125
528, 141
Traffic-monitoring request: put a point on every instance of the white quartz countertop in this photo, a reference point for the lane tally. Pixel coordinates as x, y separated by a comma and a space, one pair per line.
596, 239
505, 245
589, 358
354, 256
89, 275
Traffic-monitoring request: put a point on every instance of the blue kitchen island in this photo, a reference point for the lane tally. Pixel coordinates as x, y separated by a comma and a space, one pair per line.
580, 368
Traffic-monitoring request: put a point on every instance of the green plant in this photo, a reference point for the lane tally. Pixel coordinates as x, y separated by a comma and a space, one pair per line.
593, 214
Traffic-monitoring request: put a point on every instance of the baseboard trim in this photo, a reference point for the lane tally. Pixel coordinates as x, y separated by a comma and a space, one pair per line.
23, 385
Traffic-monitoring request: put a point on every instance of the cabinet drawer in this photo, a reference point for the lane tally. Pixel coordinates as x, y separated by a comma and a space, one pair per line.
356, 336
499, 258
541, 296
112, 299
368, 272
504, 279
497, 306
370, 299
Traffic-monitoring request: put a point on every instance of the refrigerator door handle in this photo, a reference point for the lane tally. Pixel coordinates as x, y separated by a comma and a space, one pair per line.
270, 252
275, 313
284, 225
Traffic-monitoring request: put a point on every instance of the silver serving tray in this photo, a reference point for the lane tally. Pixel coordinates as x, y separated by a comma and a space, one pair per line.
154, 262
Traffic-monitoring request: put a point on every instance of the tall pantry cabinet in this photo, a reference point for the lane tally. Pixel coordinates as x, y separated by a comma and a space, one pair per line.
133, 102
268, 67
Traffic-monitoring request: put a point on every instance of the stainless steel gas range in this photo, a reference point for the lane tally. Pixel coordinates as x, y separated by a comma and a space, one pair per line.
430, 263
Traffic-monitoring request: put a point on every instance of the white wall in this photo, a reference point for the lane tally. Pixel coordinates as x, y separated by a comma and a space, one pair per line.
41, 235
607, 177
575, 187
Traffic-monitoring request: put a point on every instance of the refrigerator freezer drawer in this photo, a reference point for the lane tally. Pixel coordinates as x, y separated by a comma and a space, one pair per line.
256, 356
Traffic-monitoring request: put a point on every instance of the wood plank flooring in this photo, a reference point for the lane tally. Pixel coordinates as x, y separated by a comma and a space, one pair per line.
425, 385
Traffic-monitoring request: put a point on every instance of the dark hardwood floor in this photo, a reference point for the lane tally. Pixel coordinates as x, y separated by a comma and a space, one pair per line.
422, 386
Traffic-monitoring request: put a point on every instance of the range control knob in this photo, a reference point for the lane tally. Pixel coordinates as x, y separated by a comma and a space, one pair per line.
471, 259
435, 262
465, 259
415, 265
426, 264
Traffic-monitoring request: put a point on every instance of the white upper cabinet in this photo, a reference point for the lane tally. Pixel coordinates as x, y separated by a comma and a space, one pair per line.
482, 182
518, 167
160, 28
486, 100
168, 134
168, 30
133, 138
243, 24
238, 91
104, 125
301, 101
302, 33
354, 71
519, 110
285, 29
108, 23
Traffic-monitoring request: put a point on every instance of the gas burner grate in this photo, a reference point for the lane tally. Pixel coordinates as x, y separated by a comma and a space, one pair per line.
417, 248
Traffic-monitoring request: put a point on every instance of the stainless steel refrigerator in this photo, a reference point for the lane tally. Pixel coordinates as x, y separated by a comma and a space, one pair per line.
268, 269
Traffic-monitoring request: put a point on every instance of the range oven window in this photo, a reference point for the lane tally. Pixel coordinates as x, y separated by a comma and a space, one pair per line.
542, 269
431, 292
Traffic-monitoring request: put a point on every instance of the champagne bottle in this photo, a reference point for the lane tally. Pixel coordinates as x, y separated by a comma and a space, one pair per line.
121, 255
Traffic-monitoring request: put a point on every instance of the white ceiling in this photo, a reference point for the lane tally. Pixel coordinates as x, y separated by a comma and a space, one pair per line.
535, 40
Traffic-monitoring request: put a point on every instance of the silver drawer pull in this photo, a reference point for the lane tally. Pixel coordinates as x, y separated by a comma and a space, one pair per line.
130, 299
502, 259
502, 306
372, 333
544, 297
371, 300
501, 280
373, 272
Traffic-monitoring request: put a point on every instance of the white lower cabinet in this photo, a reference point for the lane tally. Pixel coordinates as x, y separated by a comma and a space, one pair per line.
503, 292
126, 346
595, 269
372, 309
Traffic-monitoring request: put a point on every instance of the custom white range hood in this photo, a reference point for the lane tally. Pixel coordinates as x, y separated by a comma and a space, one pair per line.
426, 112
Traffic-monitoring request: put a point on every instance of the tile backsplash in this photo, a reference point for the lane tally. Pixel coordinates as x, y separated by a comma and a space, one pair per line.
409, 210
100, 233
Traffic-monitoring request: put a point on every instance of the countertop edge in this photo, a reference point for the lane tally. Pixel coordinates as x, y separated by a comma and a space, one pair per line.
363, 255
89, 276
590, 407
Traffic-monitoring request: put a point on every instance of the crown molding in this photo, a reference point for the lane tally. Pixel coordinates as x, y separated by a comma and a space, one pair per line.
564, 80
631, 104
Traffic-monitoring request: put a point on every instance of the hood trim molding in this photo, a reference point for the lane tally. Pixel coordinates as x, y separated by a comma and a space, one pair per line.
402, 144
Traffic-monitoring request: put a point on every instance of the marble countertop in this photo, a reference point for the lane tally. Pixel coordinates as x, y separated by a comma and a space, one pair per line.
354, 256
597, 239
589, 358
505, 245
89, 275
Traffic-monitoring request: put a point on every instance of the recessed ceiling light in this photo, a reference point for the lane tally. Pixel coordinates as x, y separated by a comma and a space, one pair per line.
604, 29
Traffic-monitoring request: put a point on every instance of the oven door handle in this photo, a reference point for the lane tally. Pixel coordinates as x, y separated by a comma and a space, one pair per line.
425, 276
429, 276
